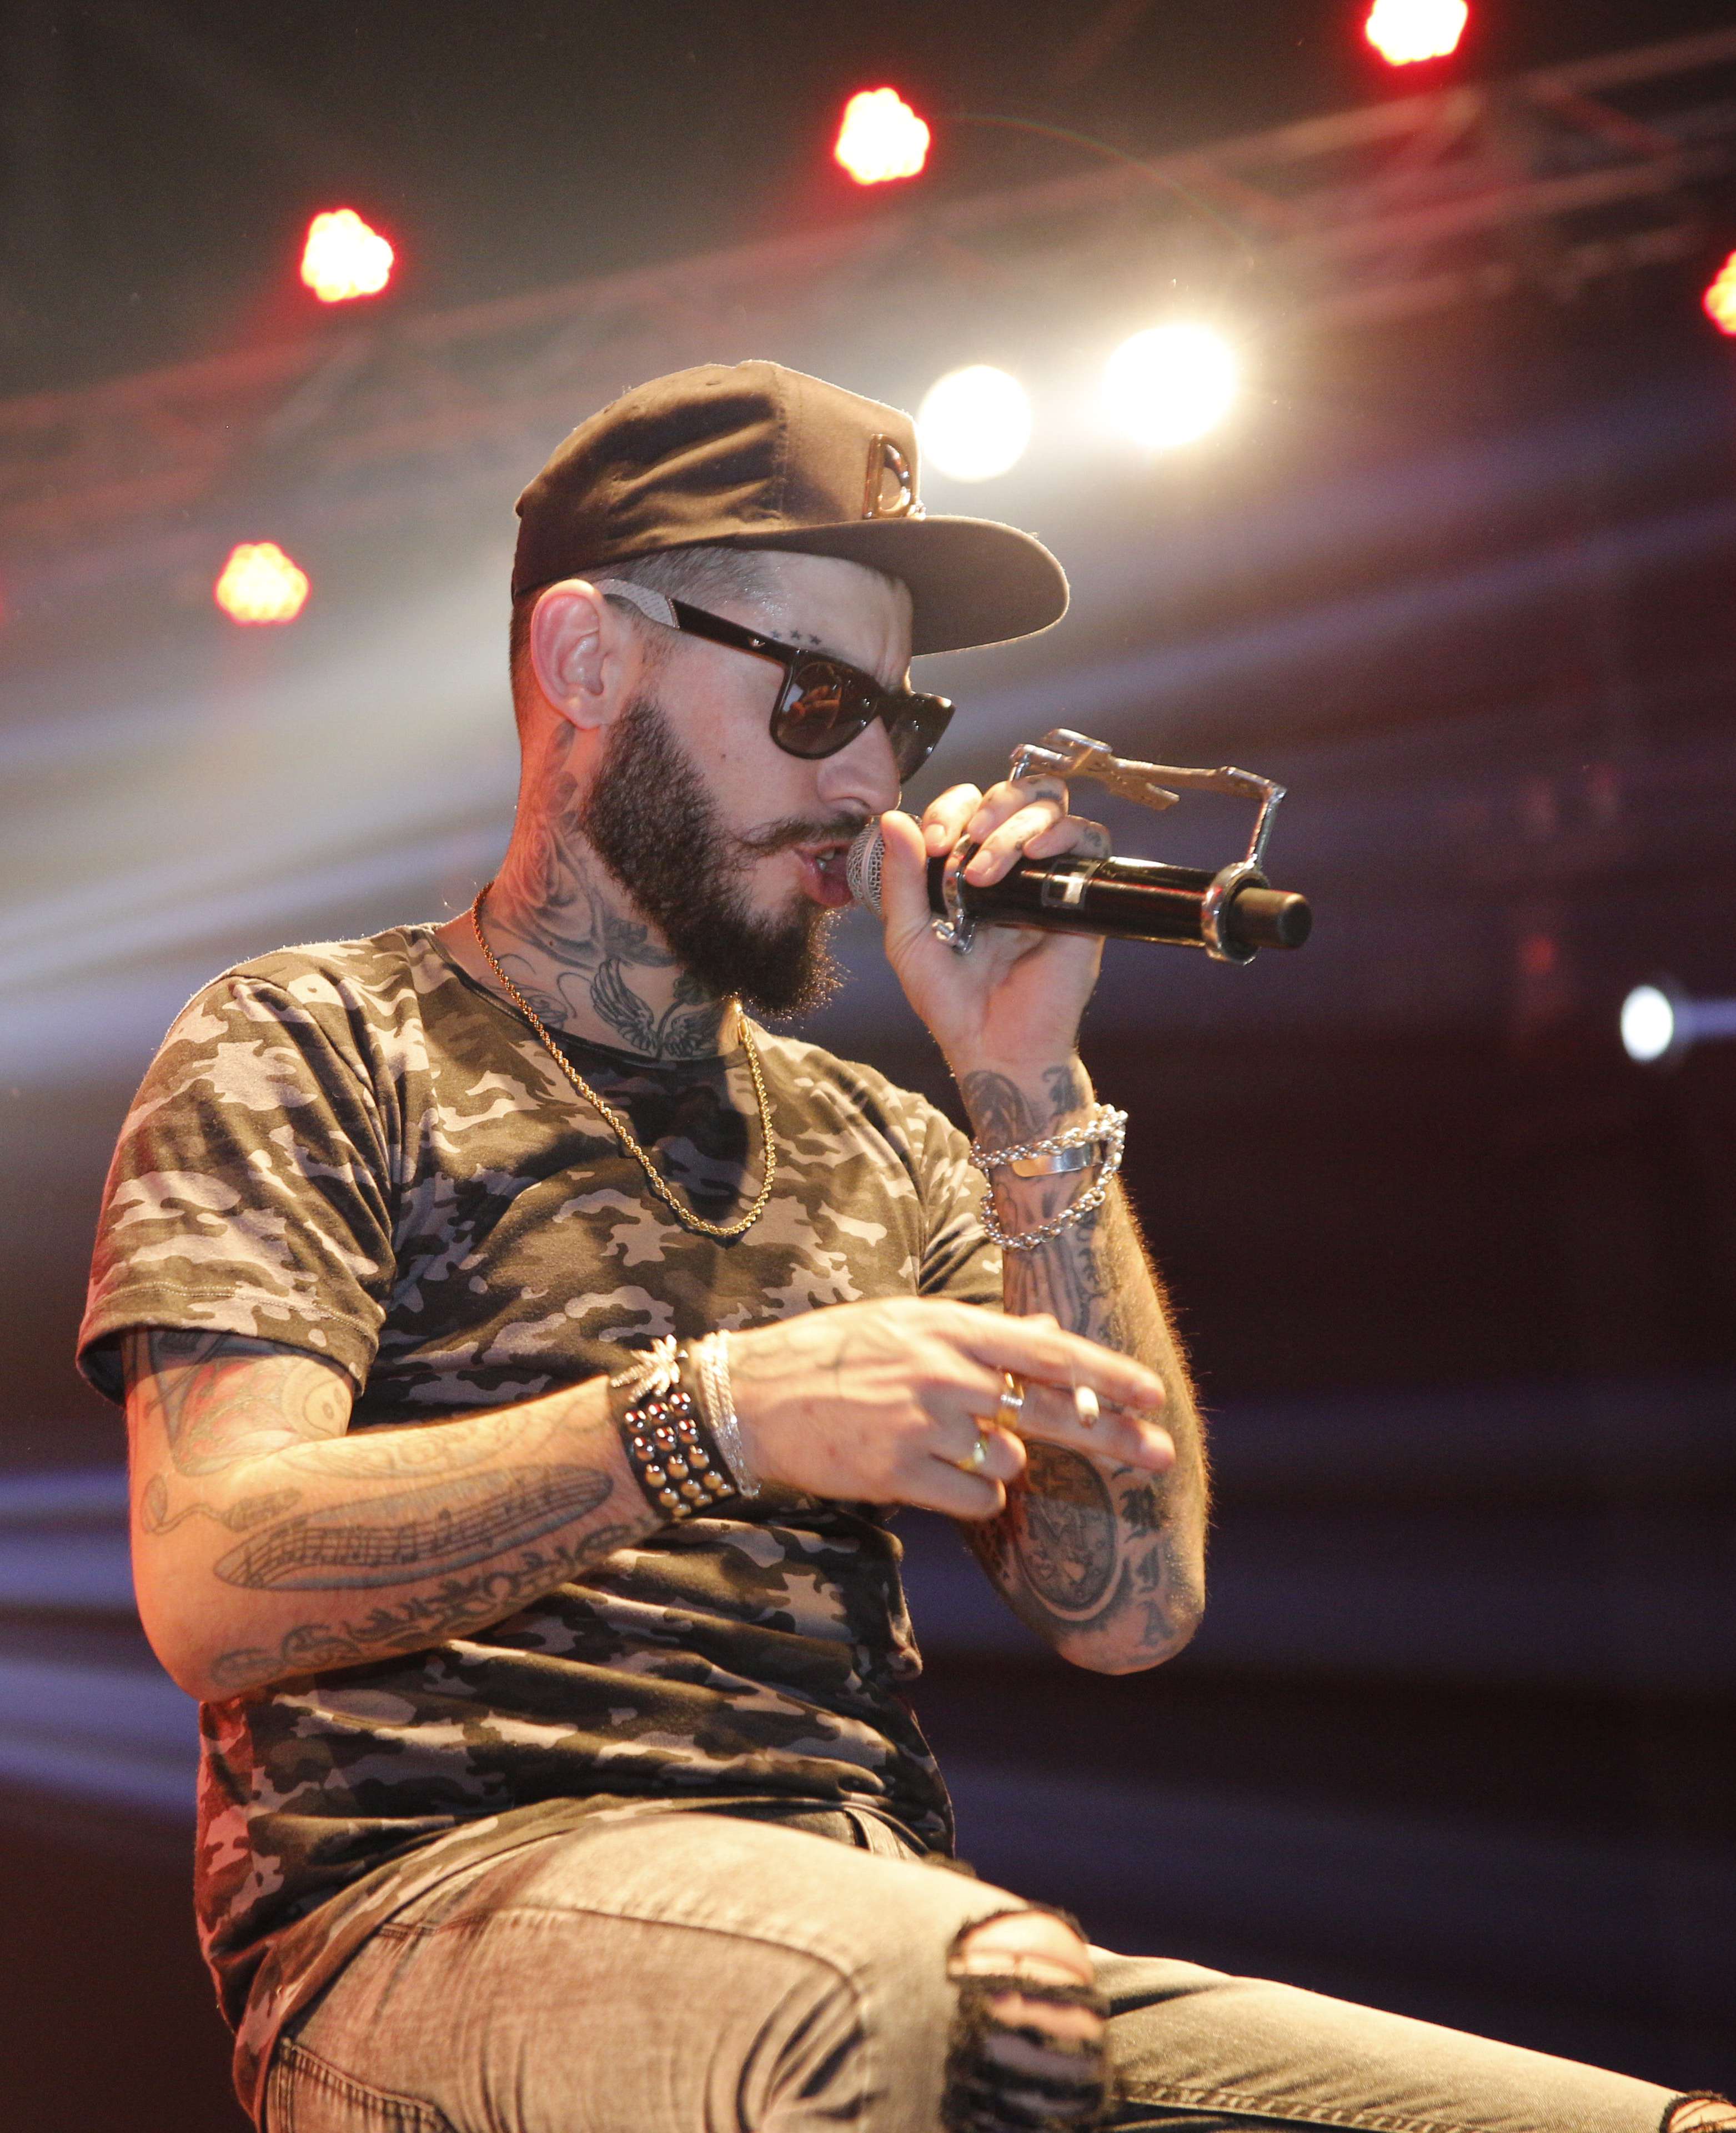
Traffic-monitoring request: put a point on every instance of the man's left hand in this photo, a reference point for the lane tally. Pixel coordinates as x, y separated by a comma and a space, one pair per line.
1014, 1002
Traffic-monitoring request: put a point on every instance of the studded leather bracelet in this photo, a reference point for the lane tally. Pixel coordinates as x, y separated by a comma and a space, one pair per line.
670, 1445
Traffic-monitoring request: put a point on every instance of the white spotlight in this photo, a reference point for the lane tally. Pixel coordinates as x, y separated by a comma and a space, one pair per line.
1171, 385
1660, 1023
975, 423
1648, 1023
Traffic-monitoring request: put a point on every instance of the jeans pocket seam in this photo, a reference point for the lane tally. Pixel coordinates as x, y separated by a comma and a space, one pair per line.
294, 2061
540, 1915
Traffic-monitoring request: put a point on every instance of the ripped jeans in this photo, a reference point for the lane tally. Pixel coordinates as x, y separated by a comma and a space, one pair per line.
709, 1973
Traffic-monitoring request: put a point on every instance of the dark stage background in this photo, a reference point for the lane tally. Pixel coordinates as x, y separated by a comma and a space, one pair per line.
1460, 1281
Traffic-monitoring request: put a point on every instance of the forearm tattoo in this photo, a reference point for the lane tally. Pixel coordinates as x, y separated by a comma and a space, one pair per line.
452, 1608
1065, 1535
389, 1540
245, 1513
1088, 1546
472, 1494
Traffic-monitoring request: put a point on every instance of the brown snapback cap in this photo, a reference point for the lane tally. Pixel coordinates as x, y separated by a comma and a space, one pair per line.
752, 455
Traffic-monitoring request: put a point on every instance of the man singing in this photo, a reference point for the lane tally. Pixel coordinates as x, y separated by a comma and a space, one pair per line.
524, 1353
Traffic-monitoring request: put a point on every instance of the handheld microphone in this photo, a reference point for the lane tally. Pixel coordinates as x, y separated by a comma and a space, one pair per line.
1233, 912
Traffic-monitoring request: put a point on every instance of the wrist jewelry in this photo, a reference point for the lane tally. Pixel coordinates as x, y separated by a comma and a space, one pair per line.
671, 1451
711, 1358
1104, 1128
1035, 1158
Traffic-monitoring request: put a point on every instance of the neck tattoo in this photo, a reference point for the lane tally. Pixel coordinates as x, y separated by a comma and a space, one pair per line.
623, 1132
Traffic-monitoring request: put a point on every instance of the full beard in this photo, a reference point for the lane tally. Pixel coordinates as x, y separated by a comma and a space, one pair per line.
650, 819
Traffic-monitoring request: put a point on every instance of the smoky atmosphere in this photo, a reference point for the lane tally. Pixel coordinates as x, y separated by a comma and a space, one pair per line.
1195, 1312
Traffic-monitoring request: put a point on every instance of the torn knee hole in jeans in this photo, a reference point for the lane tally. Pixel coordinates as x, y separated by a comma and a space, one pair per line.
1027, 2052
1701, 2112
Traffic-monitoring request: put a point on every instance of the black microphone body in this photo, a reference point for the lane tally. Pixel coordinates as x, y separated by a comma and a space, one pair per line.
1124, 899
1128, 900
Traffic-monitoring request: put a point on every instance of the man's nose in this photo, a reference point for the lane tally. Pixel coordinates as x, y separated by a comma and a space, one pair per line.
865, 772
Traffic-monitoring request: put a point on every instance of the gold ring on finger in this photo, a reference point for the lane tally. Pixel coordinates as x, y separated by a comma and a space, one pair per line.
1012, 1402
976, 1459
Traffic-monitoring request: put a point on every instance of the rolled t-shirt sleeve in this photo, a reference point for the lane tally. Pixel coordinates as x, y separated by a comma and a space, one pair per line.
250, 1191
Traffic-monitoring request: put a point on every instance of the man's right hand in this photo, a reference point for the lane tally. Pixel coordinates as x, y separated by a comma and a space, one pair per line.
878, 1403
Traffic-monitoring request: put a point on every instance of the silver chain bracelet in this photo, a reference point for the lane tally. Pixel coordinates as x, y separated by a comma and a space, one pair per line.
712, 1355
1105, 1125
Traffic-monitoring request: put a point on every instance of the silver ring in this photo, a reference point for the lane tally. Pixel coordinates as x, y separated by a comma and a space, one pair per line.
958, 929
1086, 1407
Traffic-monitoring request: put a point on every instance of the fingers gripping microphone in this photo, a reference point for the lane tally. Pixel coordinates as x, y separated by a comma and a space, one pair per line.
1231, 914
1124, 899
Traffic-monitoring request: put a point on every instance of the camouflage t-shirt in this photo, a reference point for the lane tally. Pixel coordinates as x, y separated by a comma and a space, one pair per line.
355, 1150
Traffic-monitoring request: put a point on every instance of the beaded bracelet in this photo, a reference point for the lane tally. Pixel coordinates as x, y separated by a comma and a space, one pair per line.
671, 1449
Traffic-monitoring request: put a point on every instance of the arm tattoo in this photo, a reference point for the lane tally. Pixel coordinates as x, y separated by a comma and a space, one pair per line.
219, 1408
452, 1608
391, 1540
486, 1495
245, 1513
1063, 1520
415, 1449
998, 1108
1083, 1544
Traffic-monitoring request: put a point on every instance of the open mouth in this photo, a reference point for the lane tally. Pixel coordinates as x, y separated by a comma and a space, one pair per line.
823, 873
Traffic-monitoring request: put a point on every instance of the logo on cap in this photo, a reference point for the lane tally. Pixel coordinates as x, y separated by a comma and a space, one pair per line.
891, 486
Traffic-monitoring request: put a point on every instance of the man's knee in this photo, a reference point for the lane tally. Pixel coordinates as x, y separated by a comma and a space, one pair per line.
1029, 2049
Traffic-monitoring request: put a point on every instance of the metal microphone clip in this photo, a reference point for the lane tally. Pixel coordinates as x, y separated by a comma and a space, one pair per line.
1062, 752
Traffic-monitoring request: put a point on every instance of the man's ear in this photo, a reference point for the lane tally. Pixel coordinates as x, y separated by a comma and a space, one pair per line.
584, 655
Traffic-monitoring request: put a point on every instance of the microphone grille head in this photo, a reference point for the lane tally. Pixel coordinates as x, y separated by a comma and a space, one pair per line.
861, 868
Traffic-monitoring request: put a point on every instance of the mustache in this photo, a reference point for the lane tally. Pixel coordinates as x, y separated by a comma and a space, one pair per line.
793, 830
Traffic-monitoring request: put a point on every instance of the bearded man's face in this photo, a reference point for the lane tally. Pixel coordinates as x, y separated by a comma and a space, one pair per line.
652, 820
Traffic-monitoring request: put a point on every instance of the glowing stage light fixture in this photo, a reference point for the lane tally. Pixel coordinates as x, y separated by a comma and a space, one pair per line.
1403, 31
344, 258
881, 138
1660, 1023
1719, 300
260, 584
975, 423
1165, 387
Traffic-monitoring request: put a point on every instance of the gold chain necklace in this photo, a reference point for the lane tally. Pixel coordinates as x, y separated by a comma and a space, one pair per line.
623, 1131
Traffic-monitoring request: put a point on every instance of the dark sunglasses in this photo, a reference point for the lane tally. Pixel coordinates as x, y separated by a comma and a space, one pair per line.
823, 704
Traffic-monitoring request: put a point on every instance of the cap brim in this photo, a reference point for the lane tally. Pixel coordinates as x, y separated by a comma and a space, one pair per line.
972, 580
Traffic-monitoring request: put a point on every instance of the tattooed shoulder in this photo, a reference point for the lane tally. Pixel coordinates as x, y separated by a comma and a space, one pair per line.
222, 1397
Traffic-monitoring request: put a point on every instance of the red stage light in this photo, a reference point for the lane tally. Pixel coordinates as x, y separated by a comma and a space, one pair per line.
342, 257
881, 137
1721, 298
260, 584
1405, 30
